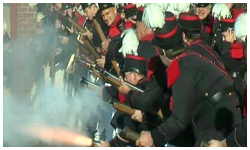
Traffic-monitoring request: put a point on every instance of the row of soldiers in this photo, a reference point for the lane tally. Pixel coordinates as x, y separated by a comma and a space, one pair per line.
181, 70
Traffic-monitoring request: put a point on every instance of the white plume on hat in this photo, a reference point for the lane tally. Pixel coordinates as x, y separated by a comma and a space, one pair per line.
80, 10
221, 11
177, 8
32, 5
153, 16
5, 27
141, 4
240, 27
164, 6
130, 43
39, 17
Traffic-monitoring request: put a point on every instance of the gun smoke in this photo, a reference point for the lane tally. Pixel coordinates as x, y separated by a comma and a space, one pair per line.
46, 106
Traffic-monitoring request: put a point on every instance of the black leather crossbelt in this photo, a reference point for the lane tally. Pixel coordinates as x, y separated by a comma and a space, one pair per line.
218, 96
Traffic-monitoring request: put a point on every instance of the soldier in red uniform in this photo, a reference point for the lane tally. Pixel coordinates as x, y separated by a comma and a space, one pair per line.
206, 102
232, 55
204, 11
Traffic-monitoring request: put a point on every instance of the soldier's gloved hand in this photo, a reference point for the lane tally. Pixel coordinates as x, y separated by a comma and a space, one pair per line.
137, 116
123, 88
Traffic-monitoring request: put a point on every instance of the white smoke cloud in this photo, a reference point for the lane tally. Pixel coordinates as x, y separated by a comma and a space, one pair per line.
76, 114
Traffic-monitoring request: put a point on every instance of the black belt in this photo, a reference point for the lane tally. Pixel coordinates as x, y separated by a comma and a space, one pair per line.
218, 96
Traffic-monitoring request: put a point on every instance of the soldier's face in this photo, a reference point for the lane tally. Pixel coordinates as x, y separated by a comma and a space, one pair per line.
90, 12
230, 5
130, 77
109, 15
203, 12
140, 27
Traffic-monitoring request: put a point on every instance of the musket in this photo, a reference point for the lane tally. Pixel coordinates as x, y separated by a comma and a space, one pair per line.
130, 111
83, 62
91, 48
103, 38
107, 76
124, 108
130, 135
116, 67
114, 80
90, 83
85, 39
99, 30
75, 24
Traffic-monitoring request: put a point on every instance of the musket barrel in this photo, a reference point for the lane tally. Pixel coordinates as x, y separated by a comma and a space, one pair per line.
130, 135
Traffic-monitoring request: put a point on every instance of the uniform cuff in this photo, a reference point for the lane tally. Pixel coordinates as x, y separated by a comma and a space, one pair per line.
158, 138
129, 98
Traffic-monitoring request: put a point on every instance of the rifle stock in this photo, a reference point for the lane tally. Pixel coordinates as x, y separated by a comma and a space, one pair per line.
103, 38
91, 48
75, 24
116, 67
85, 39
130, 111
124, 108
99, 30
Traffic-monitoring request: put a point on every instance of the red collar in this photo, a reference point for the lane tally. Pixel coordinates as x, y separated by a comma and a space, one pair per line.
141, 80
148, 37
117, 21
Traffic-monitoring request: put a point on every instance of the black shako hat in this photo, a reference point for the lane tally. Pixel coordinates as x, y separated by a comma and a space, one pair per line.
130, 10
140, 11
66, 6
189, 23
85, 5
135, 64
227, 24
201, 4
103, 6
170, 34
